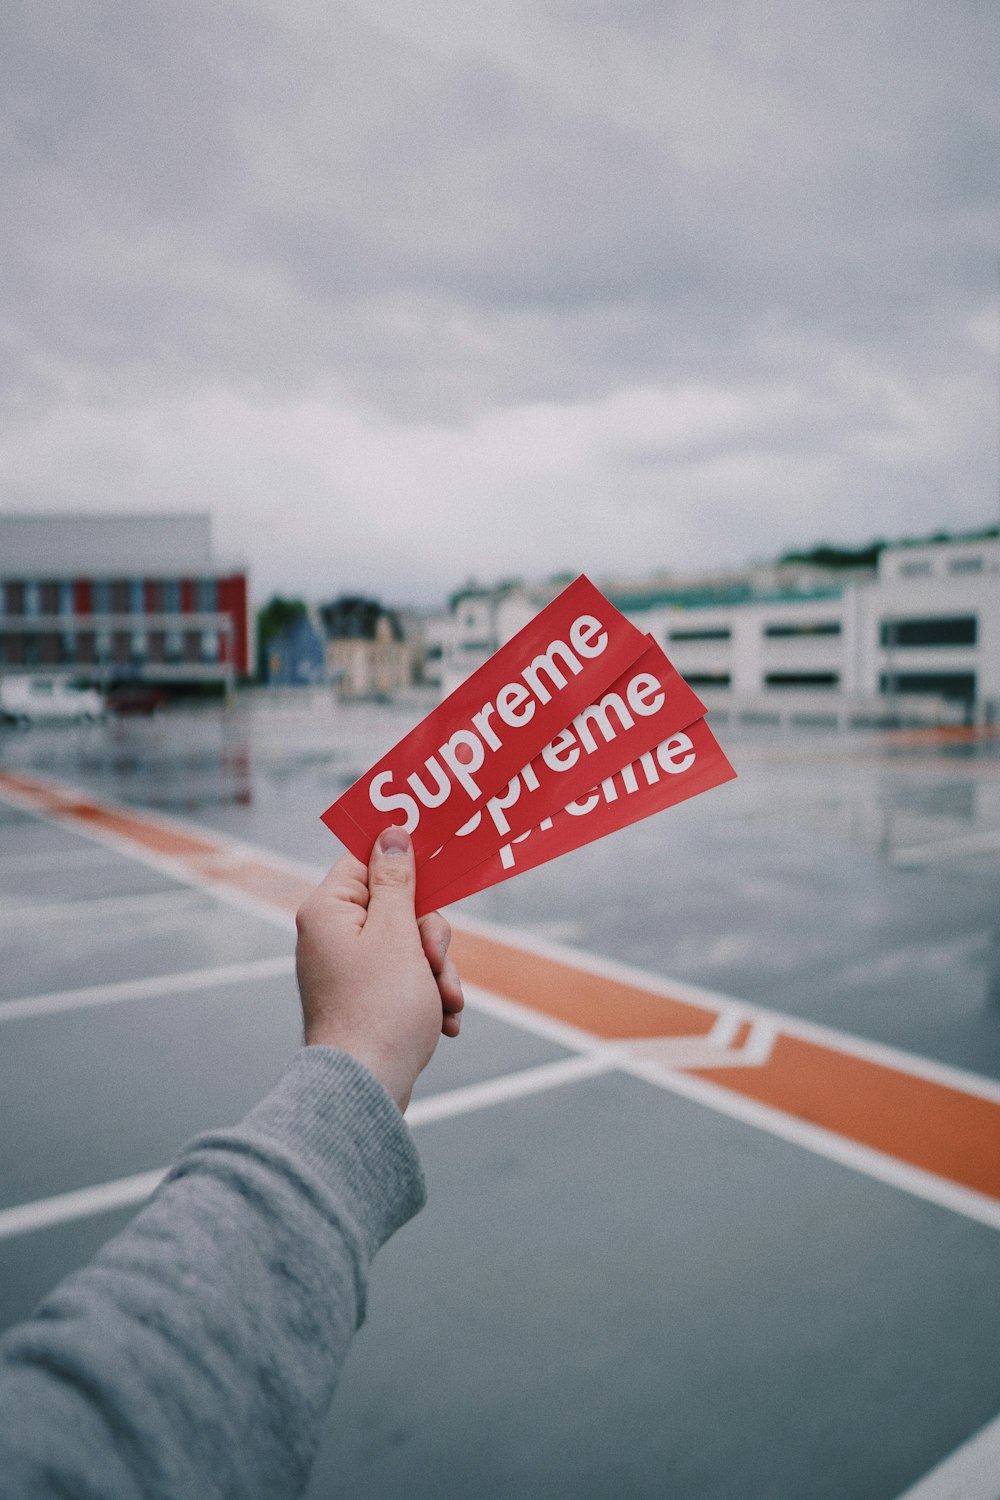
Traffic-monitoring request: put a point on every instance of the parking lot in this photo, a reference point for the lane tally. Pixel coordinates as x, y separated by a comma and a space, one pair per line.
714, 1168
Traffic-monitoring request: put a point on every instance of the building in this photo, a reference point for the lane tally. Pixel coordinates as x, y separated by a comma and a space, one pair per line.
916, 638
121, 598
367, 653
296, 657
477, 621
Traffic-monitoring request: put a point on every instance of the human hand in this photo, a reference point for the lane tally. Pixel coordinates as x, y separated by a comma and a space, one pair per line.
372, 979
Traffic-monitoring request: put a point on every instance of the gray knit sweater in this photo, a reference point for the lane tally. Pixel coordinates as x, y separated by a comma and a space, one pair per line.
196, 1356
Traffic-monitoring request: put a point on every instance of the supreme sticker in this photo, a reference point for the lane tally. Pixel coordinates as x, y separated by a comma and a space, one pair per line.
494, 723
683, 765
649, 702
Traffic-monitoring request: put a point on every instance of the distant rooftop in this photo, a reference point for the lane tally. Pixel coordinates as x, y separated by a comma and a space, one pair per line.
682, 598
104, 544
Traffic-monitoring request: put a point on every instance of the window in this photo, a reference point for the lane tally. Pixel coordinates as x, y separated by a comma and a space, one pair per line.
100, 596
707, 679
915, 570
955, 685
966, 564
802, 679
205, 594
947, 630
32, 597
173, 645
171, 596
710, 633
795, 630
209, 645
137, 596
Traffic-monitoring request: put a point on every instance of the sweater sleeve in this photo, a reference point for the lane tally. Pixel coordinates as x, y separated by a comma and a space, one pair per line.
197, 1354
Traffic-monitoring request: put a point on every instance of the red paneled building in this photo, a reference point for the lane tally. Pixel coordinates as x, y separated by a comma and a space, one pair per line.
121, 599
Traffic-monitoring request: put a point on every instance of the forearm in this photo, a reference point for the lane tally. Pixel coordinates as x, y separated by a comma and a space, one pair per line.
198, 1353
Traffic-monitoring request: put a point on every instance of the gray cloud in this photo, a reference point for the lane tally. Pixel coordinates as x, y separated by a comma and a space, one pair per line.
477, 238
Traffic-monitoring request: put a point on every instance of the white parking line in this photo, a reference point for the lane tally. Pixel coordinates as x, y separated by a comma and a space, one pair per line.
43, 1213
57, 859
972, 1472
146, 989
148, 903
510, 1086
864, 1159
82, 1204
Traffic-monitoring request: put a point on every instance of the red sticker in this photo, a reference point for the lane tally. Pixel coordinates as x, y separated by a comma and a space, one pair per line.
646, 705
683, 765
490, 726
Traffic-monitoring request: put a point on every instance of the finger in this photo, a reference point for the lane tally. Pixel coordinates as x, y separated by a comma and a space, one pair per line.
450, 988
435, 934
392, 883
344, 886
451, 1025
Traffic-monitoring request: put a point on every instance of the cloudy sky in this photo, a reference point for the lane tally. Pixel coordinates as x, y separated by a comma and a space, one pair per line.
405, 293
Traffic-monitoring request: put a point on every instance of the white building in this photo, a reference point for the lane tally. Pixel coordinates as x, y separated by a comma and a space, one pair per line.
917, 640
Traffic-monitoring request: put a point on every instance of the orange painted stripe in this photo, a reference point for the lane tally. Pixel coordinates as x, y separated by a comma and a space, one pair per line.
604, 1007
136, 828
152, 836
931, 1126
262, 881
927, 1124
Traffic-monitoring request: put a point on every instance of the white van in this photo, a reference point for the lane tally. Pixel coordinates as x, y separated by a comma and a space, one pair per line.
30, 700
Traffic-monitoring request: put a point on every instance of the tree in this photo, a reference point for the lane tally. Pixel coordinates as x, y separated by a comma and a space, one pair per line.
275, 617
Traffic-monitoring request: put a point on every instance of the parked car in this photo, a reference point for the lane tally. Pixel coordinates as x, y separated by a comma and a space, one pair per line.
135, 698
30, 700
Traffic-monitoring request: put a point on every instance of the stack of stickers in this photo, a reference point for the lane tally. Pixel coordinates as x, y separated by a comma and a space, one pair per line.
578, 726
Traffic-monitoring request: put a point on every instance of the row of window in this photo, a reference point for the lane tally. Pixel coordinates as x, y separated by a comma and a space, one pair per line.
951, 630
925, 568
106, 596
110, 647
783, 631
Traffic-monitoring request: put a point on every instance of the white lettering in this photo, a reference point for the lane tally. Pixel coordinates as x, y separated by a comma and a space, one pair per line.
461, 769
509, 700
546, 663
431, 798
638, 692
507, 851
668, 751
481, 721
398, 802
495, 806
582, 633
599, 713
583, 804
562, 753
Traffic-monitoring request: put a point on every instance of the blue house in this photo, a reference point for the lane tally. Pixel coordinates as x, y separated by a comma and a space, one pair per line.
297, 657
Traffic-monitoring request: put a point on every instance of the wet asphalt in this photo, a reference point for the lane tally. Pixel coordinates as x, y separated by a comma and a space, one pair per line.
613, 1291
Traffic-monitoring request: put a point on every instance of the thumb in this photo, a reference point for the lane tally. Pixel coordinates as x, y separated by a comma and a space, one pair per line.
392, 880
